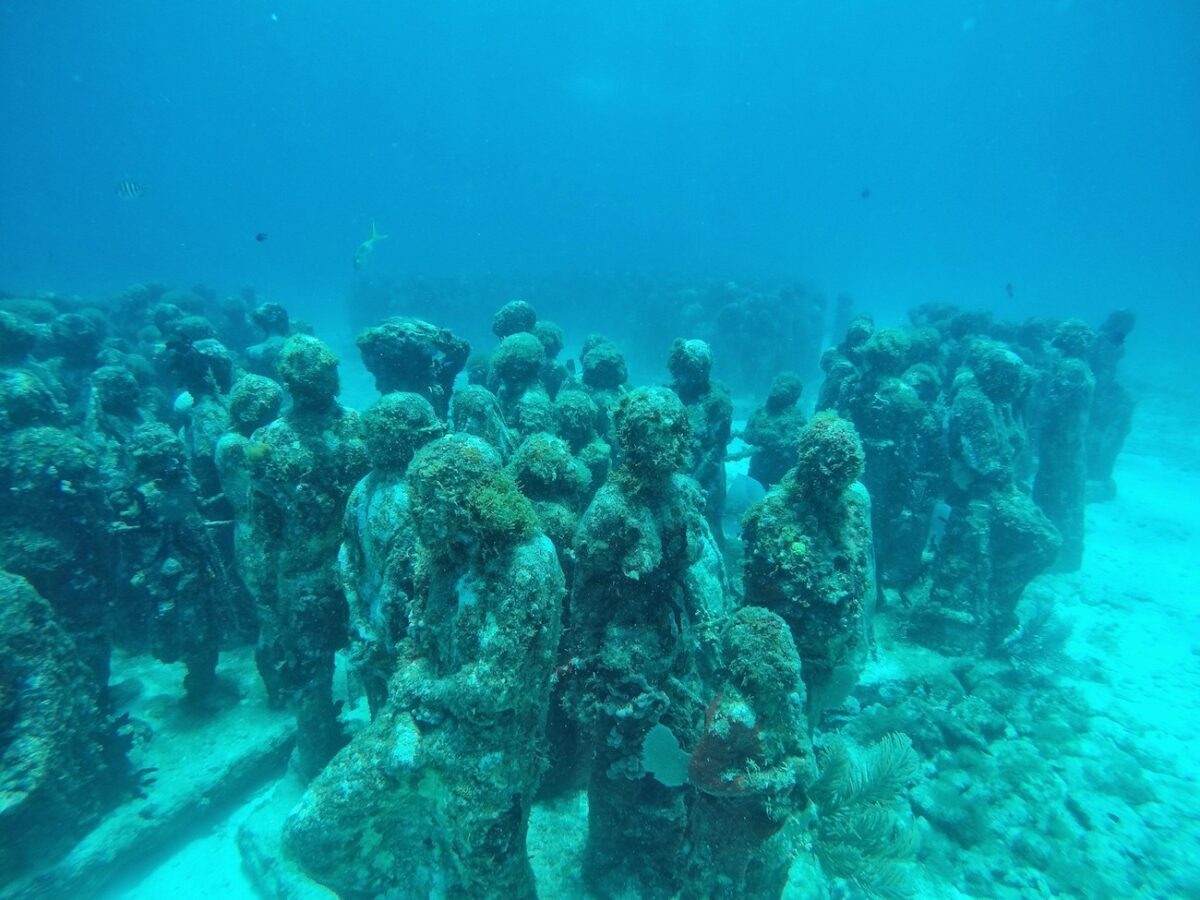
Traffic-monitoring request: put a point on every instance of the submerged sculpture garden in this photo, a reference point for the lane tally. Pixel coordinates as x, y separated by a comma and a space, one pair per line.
534, 577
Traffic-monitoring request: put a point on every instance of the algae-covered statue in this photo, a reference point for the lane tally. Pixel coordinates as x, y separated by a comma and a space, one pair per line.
774, 431
172, 566
204, 369
513, 318
577, 418
809, 559
54, 772
254, 401
305, 465
475, 410
710, 412
752, 764
515, 376
433, 797
378, 555
519, 316
55, 516
639, 642
1111, 415
558, 484
1060, 486
996, 539
604, 375
411, 355
273, 321
882, 381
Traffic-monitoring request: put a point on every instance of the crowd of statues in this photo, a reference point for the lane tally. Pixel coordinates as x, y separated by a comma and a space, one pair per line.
523, 562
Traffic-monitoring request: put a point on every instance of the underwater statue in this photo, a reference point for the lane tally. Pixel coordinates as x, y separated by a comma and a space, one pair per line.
273, 321
1060, 485
515, 378
254, 401
114, 410
649, 582
881, 380
519, 316
809, 559
57, 772
774, 431
1111, 415
171, 565
996, 539
56, 517
756, 332
475, 410
558, 485
433, 797
576, 419
514, 317
378, 554
604, 377
710, 412
554, 373
519, 564
305, 465
406, 354
204, 370
752, 764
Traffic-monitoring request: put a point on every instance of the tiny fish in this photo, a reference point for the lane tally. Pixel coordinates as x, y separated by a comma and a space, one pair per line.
865, 193
1008, 290
129, 190
261, 236
365, 248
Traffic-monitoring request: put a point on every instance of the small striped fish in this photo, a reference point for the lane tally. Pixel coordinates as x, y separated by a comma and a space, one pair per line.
129, 190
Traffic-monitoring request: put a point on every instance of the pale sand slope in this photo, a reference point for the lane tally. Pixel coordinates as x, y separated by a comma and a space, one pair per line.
208, 867
1137, 619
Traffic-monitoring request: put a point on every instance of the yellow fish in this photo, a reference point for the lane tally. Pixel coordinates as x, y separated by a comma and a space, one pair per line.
365, 248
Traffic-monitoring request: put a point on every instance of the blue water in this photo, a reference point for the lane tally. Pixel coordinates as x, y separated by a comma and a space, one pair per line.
1049, 145
1027, 157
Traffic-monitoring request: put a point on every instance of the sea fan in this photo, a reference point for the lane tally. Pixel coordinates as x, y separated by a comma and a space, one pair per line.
864, 832
1037, 648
